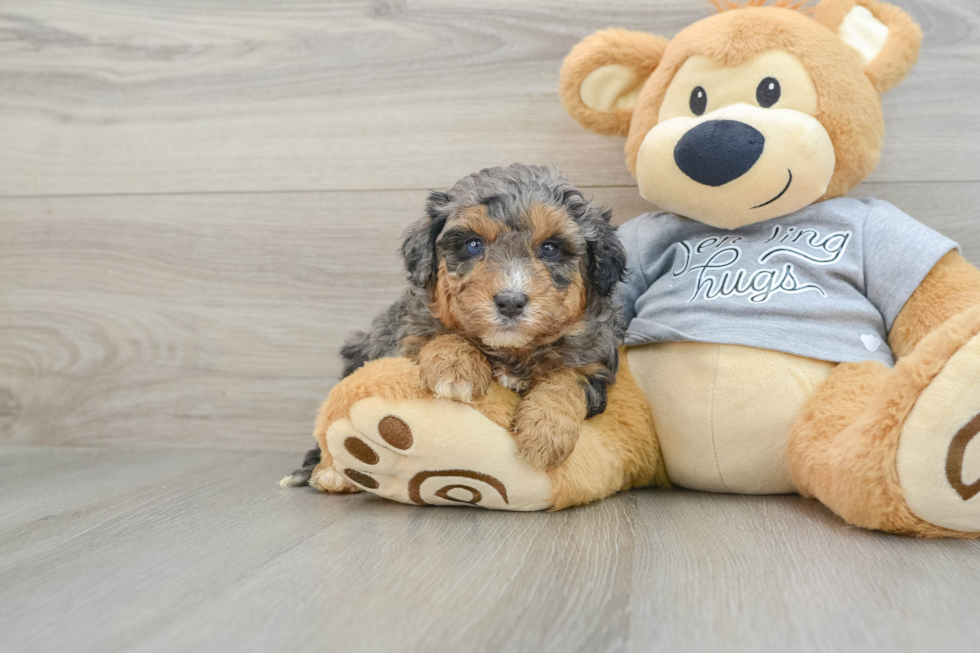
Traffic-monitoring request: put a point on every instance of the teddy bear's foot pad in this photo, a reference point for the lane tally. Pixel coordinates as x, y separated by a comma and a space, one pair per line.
435, 452
939, 451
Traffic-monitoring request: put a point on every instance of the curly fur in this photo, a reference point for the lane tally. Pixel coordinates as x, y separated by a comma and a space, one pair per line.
509, 194
577, 326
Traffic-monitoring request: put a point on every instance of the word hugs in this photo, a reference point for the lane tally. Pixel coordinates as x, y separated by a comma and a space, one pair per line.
728, 266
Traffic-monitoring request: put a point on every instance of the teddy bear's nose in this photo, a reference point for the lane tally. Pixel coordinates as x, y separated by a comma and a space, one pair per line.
718, 151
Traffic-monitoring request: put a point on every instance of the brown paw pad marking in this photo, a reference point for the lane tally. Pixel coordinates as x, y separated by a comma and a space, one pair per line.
955, 459
361, 479
360, 450
415, 486
395, 432
475, 495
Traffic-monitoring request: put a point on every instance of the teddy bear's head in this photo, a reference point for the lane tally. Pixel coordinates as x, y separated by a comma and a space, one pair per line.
749, 114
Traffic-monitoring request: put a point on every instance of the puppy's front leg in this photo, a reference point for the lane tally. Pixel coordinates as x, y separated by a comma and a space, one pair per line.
548, 418
453, 368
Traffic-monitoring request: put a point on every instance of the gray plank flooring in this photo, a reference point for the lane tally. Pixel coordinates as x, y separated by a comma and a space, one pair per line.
177, 550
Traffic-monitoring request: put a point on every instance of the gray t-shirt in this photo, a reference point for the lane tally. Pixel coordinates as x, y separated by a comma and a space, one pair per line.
826, 282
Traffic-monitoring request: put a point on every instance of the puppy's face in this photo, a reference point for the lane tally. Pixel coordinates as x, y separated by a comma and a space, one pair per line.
511, 280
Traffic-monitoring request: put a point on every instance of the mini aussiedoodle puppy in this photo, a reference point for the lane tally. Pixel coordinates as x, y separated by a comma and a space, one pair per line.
511, 277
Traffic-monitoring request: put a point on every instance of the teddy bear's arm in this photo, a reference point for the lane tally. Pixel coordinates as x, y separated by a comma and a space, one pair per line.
951, 287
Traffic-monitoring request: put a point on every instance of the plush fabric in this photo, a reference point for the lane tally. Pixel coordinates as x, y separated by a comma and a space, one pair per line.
941, 433
724, 412
952, 287
901, 50
845, 443
634, 51
825, 282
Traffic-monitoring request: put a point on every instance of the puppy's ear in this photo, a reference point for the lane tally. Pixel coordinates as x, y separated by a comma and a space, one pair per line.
886, 37
419, 240
602, 77
605, 257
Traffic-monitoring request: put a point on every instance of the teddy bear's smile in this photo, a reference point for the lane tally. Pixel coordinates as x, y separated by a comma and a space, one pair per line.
781, 193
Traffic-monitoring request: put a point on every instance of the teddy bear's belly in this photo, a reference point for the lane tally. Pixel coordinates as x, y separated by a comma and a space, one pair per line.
723, 413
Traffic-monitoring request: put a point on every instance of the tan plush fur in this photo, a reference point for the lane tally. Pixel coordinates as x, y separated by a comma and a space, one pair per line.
638, 51
845, 441
952, 287
850, 106
901, 51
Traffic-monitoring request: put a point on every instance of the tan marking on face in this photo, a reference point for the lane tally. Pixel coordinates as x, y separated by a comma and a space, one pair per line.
574, 304
549, 221
466, 303
476, 219
551, 311
446, 287
576, 329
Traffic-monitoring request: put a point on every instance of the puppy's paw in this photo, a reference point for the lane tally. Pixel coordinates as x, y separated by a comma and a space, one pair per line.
455, 388
544, 440
328, 479
299, 478
452, 368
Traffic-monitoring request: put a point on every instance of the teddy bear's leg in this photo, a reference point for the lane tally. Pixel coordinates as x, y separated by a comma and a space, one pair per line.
382, 432
385, 380
898, 450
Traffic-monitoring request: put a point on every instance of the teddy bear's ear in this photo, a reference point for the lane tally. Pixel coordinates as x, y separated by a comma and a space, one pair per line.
885, 36
602, 77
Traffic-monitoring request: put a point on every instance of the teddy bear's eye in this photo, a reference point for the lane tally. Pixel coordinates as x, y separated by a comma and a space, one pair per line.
768, 92
699, 101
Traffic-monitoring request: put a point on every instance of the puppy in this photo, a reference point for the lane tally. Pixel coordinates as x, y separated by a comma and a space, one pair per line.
511, 277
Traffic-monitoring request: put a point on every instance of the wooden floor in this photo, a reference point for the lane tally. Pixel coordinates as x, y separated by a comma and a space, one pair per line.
199, 199
175, 550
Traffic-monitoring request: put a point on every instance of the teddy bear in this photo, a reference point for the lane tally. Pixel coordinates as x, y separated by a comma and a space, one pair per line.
783, 338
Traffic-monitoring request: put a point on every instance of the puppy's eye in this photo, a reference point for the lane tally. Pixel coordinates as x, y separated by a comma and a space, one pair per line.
474, 246
699, 101
549, 250
768, 92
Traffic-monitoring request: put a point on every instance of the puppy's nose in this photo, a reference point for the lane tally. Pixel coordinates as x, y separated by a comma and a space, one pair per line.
510, 304
718, 151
